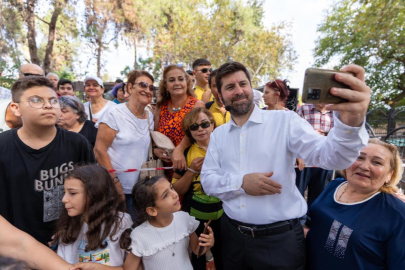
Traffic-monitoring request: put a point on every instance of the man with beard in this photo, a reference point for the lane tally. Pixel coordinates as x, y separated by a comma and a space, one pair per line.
250, 166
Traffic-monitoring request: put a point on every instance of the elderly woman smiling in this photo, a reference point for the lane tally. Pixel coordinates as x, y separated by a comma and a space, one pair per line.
73, 118
357, 223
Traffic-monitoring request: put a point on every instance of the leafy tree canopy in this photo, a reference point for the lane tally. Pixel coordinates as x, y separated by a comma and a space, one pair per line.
370, 34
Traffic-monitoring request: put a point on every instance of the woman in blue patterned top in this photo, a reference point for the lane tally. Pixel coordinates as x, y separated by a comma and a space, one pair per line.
358, 223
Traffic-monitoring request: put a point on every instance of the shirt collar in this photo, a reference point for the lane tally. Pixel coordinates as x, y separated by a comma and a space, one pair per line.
255, 117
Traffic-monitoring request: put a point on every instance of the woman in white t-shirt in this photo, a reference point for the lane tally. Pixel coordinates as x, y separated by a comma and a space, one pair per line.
97, 106
123, 138
93, 218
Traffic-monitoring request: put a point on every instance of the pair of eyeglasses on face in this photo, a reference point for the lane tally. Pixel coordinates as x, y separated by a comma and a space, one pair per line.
145, 85
205, 70
204, 124
32, 74
39, 103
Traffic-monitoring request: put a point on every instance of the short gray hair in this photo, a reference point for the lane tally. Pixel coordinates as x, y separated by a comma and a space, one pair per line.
52, 74
75, 104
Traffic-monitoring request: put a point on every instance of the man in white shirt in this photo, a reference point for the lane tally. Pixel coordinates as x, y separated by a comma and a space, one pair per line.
250, 166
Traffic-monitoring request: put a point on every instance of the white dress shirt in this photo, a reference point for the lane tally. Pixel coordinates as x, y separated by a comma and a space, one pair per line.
271, 141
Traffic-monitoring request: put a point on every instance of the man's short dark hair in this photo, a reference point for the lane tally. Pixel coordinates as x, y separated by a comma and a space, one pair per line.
230, 68
119, 81
201, 62
65, 81
212, 74
25, 83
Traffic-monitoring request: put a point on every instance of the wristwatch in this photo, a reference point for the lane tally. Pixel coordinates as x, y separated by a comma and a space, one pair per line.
116, 180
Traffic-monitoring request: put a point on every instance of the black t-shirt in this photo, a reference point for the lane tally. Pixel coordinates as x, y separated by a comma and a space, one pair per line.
89, 131
31, 181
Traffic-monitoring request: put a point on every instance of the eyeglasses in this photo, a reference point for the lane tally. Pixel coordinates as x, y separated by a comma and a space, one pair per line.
145, 85
31, 74
38, 103
205, 70
204, 124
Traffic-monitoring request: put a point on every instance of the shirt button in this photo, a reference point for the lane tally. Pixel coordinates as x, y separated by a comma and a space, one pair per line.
236, 187
238, 192
242, 135
242, 168
243, 206
242, 151
348, 132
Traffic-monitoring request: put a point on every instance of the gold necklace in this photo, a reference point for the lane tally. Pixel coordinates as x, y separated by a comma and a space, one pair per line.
343, 192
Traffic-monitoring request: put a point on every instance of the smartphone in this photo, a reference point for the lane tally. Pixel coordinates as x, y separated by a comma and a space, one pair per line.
317, 85
204, 232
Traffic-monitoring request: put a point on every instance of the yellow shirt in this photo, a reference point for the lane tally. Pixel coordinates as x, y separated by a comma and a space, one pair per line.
199, 91
219, 118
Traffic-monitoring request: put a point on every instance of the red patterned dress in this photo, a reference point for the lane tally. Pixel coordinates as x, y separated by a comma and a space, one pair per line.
170, 125
170, 122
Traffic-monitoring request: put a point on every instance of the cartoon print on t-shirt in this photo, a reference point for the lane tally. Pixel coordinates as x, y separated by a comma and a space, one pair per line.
51, 183
101, 256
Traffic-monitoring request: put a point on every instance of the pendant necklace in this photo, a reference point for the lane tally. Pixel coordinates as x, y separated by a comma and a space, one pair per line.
179, 108
129, 108
174, 226
343, 192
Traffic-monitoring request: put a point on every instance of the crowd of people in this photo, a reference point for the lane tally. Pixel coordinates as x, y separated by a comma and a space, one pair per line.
71, 195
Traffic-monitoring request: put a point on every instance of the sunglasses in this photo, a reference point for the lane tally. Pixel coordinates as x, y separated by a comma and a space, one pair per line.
31, 74
204, 124
145, 85
205, 70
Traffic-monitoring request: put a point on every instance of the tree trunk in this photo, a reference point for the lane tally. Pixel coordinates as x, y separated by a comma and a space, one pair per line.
30, 20
99, 49
135, 62
51, 37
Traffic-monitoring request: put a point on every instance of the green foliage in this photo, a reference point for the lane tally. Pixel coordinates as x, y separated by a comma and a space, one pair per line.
171, 31
370, 34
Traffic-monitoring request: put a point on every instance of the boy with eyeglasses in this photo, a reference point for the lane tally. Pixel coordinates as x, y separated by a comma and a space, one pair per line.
35, 159
201, 72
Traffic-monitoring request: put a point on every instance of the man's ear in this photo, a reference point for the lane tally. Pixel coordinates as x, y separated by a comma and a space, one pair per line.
15, 107
151, 211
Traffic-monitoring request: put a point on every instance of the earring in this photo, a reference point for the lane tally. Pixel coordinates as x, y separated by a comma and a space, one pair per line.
276, 100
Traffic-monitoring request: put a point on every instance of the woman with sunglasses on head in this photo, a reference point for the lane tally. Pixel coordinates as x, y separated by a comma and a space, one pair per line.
98, 105
198, 126
176, 99
123, 138
74, 118
275, 95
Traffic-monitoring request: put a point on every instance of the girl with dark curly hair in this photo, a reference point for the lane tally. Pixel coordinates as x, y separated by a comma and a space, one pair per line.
93, 219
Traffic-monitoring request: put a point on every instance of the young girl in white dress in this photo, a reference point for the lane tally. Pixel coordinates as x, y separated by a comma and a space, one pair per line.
93, 220
162, 235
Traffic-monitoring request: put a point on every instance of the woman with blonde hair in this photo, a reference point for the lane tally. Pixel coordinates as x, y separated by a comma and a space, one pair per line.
176, 99
357, 222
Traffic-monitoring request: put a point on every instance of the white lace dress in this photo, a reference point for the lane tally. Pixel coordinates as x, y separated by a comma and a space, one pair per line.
165, 248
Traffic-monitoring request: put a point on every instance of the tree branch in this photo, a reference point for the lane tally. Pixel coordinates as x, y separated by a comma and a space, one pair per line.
36, 16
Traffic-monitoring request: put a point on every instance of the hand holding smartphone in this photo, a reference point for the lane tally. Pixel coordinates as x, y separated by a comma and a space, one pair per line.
317, 85
201, 248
